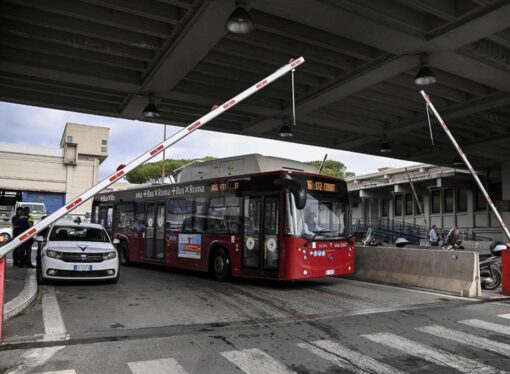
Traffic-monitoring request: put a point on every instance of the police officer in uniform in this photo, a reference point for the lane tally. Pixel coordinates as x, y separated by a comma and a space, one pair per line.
25, 222
17, 257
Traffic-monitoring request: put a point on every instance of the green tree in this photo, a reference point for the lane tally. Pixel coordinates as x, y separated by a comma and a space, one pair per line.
151, 171
332, 168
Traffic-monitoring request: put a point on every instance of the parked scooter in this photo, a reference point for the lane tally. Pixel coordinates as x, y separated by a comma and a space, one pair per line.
453, 240
490, 268
369, 239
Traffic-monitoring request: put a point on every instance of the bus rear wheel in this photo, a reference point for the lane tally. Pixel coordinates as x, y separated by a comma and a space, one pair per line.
123, 253
221, 265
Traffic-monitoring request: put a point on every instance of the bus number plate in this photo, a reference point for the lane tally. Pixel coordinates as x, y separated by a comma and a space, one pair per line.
330, 272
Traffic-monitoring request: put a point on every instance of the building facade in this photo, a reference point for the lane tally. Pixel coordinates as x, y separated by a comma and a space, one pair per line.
54, 175
448, 197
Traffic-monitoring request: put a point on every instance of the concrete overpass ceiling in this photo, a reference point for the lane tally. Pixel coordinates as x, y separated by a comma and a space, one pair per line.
356, 89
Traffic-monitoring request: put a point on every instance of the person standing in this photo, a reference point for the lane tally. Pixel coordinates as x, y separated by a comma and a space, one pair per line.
433, 236
16, 253
25, 222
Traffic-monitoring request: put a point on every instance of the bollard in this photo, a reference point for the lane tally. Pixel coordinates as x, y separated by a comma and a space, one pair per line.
505, 271
3, 260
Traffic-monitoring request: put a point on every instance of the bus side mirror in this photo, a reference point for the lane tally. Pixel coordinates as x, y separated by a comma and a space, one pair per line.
296, 189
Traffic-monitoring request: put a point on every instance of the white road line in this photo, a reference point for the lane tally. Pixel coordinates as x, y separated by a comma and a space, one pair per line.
162, 366
59, 372
255, 361
494, 327
434, 355
54, 327
35, 357
507, 316
467, 339
346, 358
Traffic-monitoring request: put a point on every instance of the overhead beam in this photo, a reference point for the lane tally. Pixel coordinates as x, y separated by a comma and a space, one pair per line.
202, 34
472, 69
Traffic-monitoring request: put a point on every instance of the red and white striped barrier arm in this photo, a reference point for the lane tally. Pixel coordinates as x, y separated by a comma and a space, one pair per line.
468, 164
76, 202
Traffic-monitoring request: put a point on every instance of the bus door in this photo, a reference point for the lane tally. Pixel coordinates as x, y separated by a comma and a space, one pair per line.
261, 249
155, 231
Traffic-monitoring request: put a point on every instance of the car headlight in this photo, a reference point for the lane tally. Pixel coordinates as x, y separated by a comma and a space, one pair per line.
109, 255
53, 254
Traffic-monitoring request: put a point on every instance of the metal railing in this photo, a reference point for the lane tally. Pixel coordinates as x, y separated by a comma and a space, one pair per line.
389, 230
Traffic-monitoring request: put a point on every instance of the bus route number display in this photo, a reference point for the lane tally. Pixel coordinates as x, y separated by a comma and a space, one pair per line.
320, 186
223, 186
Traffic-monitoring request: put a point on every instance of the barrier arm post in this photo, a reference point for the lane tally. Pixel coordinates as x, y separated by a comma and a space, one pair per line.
79, 200
467, 163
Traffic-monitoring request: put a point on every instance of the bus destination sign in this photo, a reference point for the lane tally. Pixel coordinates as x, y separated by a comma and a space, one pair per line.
320, 186
223, 186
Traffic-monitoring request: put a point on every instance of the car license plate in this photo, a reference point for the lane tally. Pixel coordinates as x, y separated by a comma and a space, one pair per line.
330, 272
82, 267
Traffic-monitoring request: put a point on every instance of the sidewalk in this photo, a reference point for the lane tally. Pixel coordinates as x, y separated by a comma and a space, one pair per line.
20, 288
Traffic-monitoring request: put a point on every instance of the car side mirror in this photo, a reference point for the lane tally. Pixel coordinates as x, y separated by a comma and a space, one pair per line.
116, 241
296, 189
39, 239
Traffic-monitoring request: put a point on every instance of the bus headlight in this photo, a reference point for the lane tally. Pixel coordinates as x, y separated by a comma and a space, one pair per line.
109, 255
53, 254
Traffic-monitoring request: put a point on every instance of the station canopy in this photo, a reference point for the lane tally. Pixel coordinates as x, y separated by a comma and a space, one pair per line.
355, 92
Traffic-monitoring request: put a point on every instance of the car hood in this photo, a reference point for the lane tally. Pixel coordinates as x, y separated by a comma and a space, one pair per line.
86, 247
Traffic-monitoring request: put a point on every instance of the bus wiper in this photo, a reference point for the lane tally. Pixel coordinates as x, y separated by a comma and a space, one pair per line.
309, 240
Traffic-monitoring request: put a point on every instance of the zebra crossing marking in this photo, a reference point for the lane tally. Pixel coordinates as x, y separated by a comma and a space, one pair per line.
59, 372
494, 327
434, 355
347, 358
161, 366
507, 316
256, 361
467, 339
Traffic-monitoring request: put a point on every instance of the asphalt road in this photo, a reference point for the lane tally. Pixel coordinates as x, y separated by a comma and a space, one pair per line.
165, 321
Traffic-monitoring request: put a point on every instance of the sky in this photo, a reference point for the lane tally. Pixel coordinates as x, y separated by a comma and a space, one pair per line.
30, 125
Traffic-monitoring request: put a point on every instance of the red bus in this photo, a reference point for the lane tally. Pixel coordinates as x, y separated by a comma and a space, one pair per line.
248, 216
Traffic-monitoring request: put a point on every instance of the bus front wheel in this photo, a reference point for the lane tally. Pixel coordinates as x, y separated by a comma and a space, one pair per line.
123, 253
221, 265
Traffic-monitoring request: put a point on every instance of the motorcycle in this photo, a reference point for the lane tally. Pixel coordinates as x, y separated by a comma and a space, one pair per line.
490, 268
369, 239
453, 240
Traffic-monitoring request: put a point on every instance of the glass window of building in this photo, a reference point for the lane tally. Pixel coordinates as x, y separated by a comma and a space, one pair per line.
416, 208
462, 200
435, 201
480, 202
398, 205
409, 204
385, 207
448, 200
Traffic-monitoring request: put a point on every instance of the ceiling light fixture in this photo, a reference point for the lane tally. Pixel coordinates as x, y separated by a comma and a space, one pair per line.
151, 110
286, 132
457, 161
240, 21
425, 75
385, 147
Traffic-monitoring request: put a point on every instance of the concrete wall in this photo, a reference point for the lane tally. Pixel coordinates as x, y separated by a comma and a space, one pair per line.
452, 272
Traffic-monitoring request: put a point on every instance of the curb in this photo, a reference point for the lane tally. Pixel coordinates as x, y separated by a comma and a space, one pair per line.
24, 299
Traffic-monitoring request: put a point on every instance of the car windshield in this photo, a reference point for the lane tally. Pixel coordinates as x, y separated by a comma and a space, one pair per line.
322, 216
78, 234
35, 208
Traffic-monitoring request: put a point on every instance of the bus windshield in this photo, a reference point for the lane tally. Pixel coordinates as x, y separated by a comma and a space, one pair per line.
323, 216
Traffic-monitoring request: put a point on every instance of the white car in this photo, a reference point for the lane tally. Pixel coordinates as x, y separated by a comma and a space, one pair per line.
77, 251
6, 232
